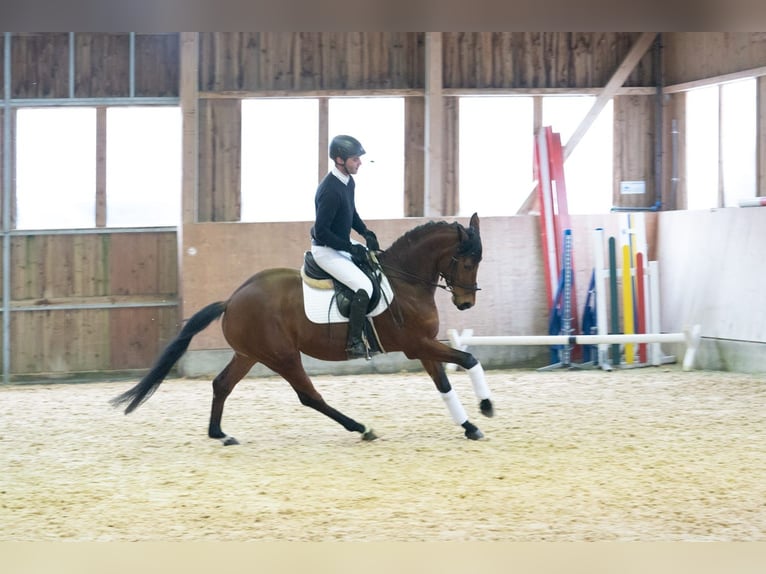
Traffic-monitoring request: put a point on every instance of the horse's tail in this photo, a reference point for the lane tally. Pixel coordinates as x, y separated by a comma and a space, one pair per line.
146, 387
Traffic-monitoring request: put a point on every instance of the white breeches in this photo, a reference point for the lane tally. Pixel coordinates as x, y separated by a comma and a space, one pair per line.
339, 265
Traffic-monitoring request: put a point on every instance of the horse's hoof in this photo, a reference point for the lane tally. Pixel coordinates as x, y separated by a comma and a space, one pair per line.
369, 435
229, 440
471, 431
486, 408
474, 434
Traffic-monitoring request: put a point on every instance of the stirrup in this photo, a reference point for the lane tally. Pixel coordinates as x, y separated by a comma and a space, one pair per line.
357, 350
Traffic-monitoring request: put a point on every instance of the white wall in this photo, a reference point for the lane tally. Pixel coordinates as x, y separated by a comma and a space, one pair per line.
713, 273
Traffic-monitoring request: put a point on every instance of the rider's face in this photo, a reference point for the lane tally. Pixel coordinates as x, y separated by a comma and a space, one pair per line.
351, 165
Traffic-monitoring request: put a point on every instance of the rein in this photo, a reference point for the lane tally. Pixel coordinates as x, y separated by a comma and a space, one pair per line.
448, 285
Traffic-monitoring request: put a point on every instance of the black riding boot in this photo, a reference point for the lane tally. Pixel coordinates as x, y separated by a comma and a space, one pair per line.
355, 348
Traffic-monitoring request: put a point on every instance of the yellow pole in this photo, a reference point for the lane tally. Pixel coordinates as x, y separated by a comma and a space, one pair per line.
627, 302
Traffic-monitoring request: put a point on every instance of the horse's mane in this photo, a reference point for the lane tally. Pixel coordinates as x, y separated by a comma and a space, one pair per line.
470, 246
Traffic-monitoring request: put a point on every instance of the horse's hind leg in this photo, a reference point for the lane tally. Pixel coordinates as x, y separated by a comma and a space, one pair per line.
293, 372
223, 384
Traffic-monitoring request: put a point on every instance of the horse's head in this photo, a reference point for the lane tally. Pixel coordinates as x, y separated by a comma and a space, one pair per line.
432, 251
460, 275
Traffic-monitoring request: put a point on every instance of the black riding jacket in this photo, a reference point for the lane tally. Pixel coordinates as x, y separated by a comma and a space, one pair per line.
336, 214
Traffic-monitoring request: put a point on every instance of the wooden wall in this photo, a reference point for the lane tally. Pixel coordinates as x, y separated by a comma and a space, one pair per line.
309, 61
130, 281
40, 64
634, 147
539, 59
690, 56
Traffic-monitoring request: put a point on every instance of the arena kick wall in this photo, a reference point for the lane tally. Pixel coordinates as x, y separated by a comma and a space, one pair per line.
710, 274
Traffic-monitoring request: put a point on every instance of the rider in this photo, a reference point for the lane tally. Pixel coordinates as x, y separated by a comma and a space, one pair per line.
331, 243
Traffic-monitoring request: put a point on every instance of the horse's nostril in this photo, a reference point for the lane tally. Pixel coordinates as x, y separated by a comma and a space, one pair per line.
464, 306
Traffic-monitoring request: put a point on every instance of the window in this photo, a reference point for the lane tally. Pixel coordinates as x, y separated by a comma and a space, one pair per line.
279, 159
55, 168
496, 153
588, 172
280, 155
143, 167
378, 123
738, 141
721, 144
702, 148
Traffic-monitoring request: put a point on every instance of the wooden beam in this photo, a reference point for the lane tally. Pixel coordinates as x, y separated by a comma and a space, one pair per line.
244, 94
637, 52
416, 92
532, 202
433, 191
101, 166
323, 153
620, 91
733, 77
189, 92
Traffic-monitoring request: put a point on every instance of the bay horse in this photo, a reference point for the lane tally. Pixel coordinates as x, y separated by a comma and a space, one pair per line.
264, 322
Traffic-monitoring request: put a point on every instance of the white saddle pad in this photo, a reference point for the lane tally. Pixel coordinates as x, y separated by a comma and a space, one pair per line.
321, 307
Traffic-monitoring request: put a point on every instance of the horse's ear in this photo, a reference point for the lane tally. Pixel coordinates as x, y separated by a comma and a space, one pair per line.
475, 222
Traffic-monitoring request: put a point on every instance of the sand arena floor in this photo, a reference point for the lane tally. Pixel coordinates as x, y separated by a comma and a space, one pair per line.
643, 455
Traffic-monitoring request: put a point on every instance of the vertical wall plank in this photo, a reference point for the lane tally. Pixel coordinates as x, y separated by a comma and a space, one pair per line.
40, 65
220, 147
102, 65
189, 90
451, 157
157, 65
414, 153
323, 152
674, 185
101, 166
434, 139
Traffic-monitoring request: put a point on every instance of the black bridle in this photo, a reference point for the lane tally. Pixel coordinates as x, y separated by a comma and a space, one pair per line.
449, 283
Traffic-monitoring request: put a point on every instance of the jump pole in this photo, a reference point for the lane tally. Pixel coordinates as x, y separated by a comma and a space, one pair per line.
690, 336
614, 305
753, 202
601, 276
641, 306
627, 302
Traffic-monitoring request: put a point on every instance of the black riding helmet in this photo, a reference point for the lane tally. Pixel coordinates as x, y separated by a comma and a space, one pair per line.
344, 147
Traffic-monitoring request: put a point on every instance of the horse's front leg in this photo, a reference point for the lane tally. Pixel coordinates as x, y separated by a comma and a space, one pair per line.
434, 350
448, 394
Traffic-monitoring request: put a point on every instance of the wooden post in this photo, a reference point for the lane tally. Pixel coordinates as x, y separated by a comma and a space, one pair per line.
434, 119
323, 153
189, 92
101, 166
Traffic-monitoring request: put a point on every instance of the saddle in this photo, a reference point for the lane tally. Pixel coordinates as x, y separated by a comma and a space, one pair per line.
316, 277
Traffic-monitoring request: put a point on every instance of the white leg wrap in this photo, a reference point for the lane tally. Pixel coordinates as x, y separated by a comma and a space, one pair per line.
456, 410
479, 383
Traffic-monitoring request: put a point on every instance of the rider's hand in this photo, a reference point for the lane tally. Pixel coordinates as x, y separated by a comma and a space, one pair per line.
372, 240
358, 253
